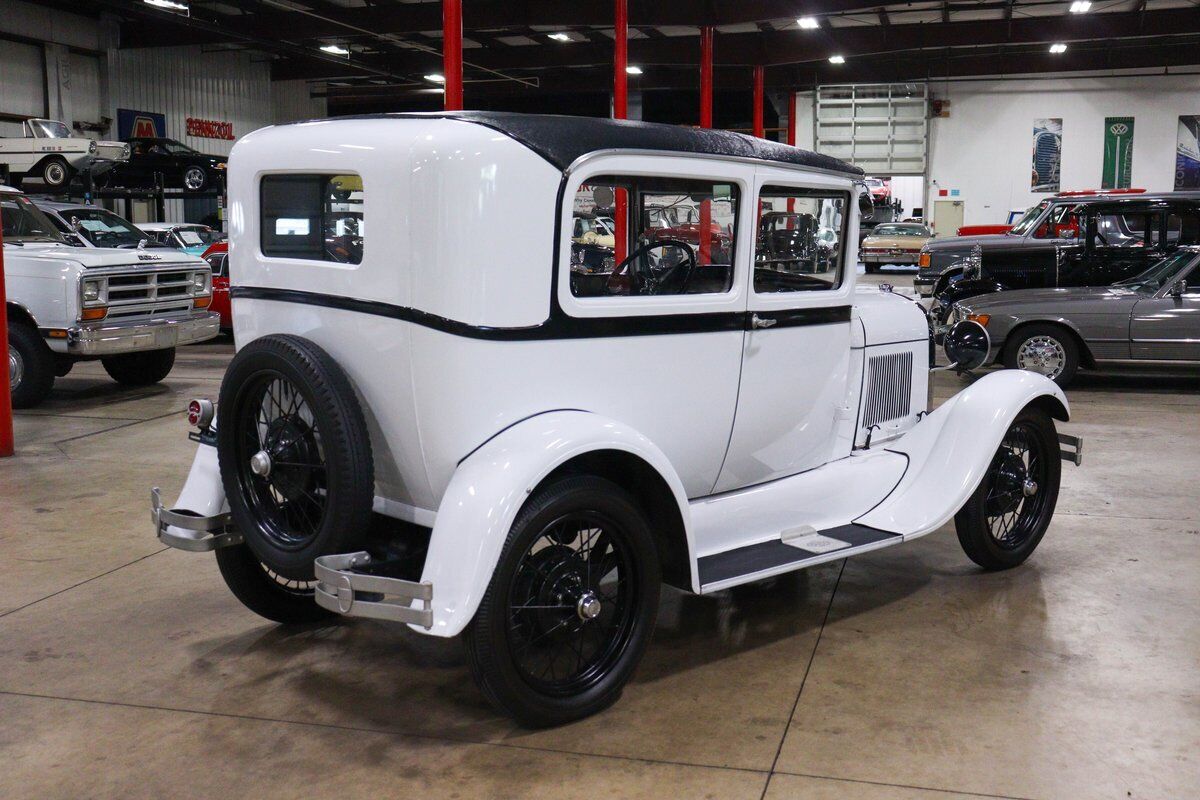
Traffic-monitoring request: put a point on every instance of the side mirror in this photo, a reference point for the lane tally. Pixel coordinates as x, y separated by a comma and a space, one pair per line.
866, 206
967, 345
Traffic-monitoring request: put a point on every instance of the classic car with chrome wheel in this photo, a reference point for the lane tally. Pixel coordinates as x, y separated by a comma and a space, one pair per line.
548, 441
1150, 319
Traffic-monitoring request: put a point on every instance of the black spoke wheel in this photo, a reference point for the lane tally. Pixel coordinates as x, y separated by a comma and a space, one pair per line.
1006, 517
571, 605
295, 456
267, 593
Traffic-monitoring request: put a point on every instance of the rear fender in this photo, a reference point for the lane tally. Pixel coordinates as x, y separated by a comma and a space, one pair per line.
949, 450
490, 486
203, 493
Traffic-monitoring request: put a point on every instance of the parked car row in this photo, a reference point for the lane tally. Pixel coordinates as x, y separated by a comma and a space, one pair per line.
49, 153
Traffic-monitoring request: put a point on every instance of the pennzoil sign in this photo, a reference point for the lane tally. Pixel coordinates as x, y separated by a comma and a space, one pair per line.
209, 129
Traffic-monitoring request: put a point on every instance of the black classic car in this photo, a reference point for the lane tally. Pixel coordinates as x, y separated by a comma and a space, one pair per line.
181, 166
1050, 222
1096, 243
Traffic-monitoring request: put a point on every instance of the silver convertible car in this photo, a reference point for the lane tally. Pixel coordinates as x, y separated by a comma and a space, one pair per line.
1152, 318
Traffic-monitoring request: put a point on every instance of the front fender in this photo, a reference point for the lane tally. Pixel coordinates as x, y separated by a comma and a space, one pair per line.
949, 450
489, 488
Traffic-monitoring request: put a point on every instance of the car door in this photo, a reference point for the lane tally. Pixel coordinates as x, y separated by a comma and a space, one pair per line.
796, 352
1120, 245
1166, 327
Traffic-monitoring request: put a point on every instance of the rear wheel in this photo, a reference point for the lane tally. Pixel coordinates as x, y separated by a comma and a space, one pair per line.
571, 605
1004, 520
30, 366
194, 179
140, 369
266, 592
1045, 349
295, 456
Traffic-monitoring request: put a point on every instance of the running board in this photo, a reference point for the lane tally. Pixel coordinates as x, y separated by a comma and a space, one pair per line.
794, 550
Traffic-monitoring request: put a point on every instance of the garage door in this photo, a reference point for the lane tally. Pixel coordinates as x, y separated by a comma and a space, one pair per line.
22, 91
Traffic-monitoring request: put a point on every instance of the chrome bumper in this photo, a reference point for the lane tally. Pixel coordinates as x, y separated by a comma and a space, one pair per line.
880, 258
1071, 448
342, 589
104, 339
191, 532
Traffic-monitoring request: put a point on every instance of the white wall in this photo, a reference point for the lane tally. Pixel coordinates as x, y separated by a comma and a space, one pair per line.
984, 148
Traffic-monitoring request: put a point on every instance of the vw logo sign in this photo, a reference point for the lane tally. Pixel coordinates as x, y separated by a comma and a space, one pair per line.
1119, 129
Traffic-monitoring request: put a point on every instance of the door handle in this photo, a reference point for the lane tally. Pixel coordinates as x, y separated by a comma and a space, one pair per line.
761, 322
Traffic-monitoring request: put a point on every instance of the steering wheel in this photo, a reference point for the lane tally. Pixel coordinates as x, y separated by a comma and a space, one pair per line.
647, 280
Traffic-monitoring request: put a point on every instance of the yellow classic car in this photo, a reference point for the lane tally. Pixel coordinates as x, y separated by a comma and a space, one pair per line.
893, 243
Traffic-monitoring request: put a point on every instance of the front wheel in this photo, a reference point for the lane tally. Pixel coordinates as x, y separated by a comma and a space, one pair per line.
571, 605
1045, 349
194, 179
140, 369
55, 173
1004, 520
30, 366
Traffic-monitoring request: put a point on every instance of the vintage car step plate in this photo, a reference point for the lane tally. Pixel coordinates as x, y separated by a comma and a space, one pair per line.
807, 538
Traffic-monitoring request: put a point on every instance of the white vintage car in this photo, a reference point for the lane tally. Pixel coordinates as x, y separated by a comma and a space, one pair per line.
48, 151
455, 432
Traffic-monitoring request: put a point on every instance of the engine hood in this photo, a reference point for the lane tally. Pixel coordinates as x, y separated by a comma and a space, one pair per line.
886, 318
965, 243
1090, 299
103, 257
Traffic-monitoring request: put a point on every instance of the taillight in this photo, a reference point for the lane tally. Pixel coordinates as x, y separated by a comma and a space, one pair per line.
200, 413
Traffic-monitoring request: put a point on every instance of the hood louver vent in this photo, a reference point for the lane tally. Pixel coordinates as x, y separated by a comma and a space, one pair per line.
889, 388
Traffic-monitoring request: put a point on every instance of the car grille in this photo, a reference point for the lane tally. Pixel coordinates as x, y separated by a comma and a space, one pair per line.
889, 388
150, 294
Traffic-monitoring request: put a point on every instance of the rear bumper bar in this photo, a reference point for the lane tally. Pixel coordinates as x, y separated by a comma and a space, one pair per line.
343, 588
184, 530
1071, 448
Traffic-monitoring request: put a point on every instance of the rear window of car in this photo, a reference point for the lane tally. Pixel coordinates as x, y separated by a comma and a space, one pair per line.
313, 217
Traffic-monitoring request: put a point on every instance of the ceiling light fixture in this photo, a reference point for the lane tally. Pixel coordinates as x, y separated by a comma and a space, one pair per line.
169, 5
559, 37
837, 59
1080, 6
808, 23
436, 78
1058, 47
632, 70
335, 50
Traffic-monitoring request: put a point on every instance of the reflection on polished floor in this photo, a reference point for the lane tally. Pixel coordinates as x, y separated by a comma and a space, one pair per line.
127, 670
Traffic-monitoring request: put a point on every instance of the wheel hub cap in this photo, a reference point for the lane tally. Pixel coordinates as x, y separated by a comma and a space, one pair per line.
1029, 488
588, 606
1042, 354
260, 464
16, 369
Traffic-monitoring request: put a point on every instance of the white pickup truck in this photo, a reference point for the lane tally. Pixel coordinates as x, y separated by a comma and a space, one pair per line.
128, 308
48, 151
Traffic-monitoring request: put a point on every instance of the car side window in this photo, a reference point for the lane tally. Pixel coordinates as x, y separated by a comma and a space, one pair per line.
312, 217
799, 240
672, 236
1124, 231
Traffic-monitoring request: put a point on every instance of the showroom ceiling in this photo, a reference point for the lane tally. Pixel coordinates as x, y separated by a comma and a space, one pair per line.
509, 48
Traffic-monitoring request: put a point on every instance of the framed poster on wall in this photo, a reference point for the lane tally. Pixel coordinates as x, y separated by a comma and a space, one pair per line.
1118, 153
1187, 154
1047, 154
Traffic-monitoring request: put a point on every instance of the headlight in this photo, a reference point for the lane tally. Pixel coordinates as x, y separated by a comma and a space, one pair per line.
91, 291
200, 282
125, 152
92, 147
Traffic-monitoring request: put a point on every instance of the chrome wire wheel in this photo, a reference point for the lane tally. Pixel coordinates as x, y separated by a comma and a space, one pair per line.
572, 604
1017, 480
281, 461
193, 178
292, 586
1042, 354
16, 368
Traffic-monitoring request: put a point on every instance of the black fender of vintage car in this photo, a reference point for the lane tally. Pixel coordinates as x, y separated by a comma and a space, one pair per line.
960, 288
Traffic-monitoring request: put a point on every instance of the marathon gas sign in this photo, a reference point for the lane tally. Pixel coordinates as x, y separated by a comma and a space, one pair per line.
131, 123
209, 129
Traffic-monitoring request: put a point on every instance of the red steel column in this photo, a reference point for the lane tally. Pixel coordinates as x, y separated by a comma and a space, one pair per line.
758, 102
452, 66
6, 421
619, 111
706, 114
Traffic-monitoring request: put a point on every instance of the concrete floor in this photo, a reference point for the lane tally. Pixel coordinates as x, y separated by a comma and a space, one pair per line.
128, 670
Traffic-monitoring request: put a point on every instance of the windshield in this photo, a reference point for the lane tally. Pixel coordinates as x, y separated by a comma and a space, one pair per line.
196, 235
49, 129
1025, 223
1161, 274
901, 230
102, 227
23, 222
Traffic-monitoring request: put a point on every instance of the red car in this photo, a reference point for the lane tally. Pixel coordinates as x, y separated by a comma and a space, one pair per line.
217, 256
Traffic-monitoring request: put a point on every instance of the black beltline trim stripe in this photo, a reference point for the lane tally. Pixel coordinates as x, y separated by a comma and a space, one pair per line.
558, 326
